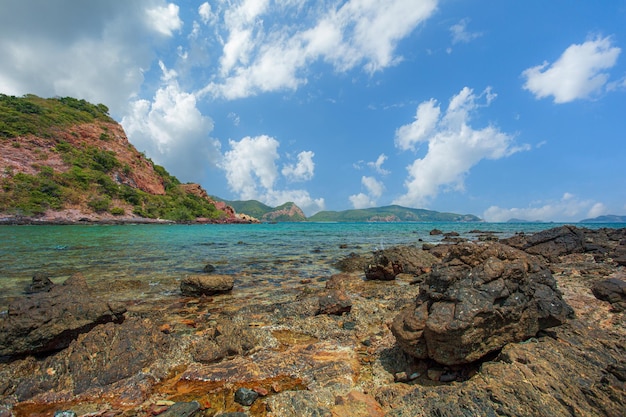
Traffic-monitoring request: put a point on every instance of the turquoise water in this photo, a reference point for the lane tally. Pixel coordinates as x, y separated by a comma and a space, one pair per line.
147, 261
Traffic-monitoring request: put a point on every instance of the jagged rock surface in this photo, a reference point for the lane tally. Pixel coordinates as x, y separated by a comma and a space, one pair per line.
49, 321
481, 297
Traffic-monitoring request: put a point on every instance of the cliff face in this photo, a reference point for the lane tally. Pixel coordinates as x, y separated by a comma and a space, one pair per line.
65, 160
27, 154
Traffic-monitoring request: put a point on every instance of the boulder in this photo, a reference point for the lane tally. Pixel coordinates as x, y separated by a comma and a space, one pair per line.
612, 290
196, 285
49, 321
388, 263
40, 283
480, 297
334, 302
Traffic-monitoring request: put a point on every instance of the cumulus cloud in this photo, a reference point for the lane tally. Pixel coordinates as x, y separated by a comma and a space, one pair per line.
378, 164
578, 73
460, 34
98, 52
567, 208
164, 19
172, 131
259, 56
454, 146
252, 173
301, 171
374, 190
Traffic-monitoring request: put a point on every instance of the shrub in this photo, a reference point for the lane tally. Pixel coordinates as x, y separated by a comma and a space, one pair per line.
99, 203
117, 211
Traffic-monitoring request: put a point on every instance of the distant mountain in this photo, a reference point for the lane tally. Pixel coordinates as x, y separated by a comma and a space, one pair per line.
288, 212
391, 214
609, 218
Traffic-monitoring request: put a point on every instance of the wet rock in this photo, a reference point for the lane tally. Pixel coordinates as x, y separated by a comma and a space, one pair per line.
357, 404
478, 299
436, 232
208, 268
109, 353
49, 321
565, 240
40, 283
245, 396
65, 413
334, 302
382, 268
612, 290
197, 285
182, 409
227, 339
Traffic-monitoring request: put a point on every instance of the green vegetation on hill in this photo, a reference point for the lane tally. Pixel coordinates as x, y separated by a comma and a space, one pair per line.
35, 115
391, 214
287, 212
90, 179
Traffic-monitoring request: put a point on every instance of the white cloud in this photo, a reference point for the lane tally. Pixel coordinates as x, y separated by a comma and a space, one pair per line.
426, 119
164, 19
454, 146
205, 12
361, 201
250, 160
252, 173
260, 57
577, 74
374, 190
374, 187
303, 170
568, 208
460, 34
98, 52
172, 131
378, 164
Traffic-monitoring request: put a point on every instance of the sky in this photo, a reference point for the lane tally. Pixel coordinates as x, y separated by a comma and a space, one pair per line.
502, 109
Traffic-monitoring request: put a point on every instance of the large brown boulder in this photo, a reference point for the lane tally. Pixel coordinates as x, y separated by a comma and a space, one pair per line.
196, 285
49, 321
479, 298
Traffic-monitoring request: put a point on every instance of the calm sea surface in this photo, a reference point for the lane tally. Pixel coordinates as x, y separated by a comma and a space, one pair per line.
134, 262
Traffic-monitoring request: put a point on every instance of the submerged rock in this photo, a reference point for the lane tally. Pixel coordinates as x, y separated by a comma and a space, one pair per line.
40, 283
478, 299
49, 321
195, 285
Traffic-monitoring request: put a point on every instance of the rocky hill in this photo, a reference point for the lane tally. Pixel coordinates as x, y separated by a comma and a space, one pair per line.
64, 160
287, 212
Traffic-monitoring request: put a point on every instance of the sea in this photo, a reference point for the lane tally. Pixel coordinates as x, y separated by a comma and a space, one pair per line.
144, 263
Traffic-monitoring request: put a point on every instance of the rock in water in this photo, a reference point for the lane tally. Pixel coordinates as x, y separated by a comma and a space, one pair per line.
40, 283
49, 321
196, 285
479, 298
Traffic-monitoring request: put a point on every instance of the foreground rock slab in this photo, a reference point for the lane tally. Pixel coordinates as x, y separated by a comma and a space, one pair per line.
49, 321
479, 298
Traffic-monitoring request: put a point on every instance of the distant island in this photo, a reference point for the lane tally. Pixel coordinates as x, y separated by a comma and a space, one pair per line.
608, 218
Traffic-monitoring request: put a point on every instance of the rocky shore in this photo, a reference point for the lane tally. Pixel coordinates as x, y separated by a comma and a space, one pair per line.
530, 325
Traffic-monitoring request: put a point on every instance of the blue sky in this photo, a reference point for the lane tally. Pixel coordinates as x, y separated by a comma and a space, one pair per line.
502, 109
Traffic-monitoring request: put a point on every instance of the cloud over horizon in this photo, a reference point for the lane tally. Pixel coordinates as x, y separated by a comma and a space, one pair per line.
454, 147
567, 208
252, 173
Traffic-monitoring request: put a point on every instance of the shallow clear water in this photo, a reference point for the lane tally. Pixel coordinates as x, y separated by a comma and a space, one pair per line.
132, 262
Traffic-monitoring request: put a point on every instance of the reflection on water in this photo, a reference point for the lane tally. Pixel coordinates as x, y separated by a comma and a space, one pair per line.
146, 262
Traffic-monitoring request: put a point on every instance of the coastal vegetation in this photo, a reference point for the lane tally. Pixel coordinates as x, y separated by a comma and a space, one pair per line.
48, 165
390, 214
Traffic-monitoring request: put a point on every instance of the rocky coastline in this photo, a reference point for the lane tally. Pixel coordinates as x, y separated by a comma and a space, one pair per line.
529, 325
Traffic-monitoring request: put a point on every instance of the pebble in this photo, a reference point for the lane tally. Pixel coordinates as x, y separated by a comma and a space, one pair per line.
245, 396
